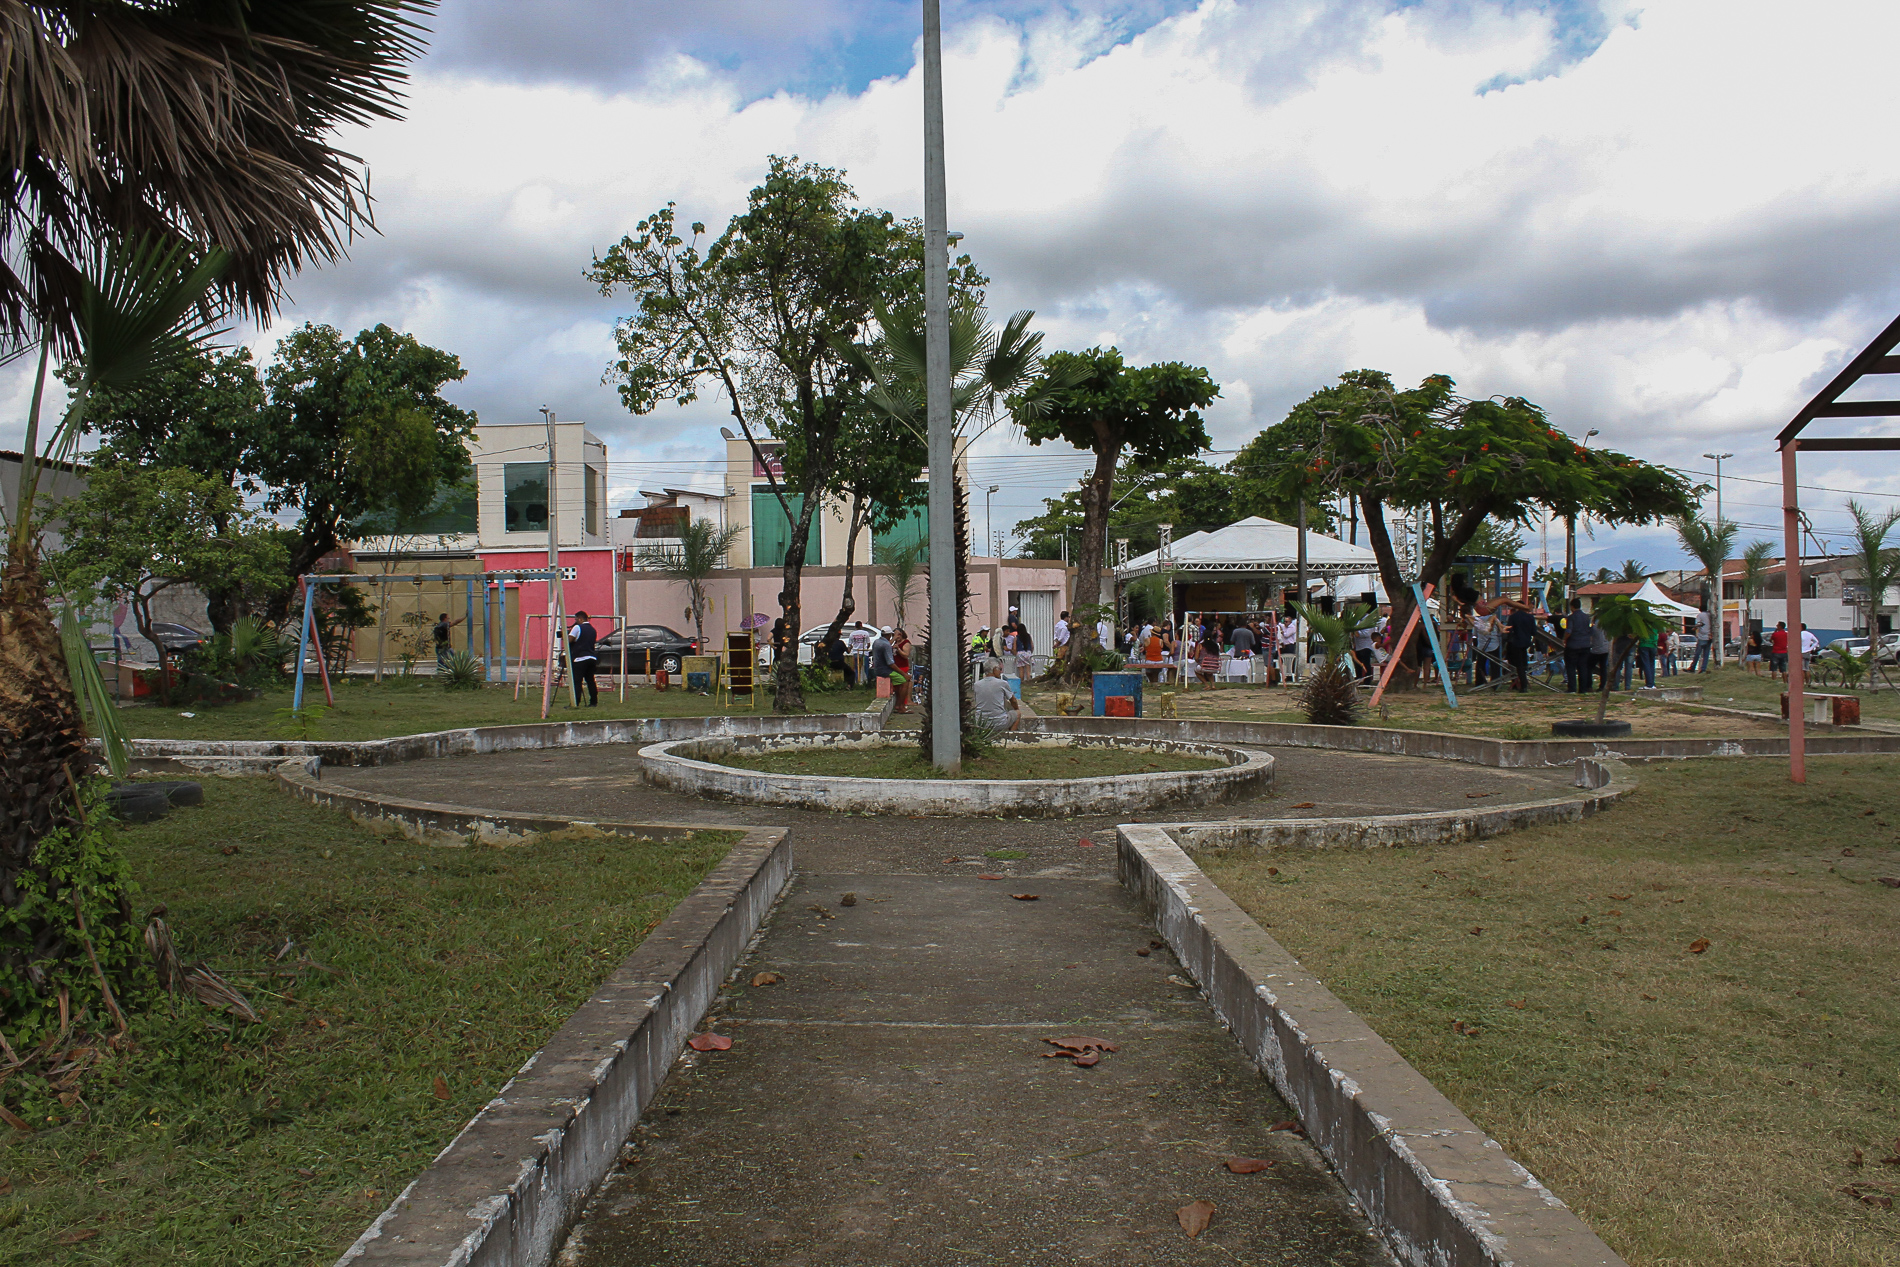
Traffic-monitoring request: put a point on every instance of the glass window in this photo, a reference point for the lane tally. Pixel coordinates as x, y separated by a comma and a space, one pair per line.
772, 531
525, 496
592, 501
450, 514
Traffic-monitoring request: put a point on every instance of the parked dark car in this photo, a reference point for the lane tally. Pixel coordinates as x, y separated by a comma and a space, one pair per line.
178, 639
650, 648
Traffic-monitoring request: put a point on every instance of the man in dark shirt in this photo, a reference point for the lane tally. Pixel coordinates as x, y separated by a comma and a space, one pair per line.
1520, 631
1578, 637
441, 632
580, 654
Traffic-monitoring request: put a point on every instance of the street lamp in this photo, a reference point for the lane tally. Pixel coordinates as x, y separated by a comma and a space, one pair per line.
1570, 533
1715, 582
989, 529
946, 656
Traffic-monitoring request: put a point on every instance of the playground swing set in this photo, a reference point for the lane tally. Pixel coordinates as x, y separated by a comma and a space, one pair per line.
494, 587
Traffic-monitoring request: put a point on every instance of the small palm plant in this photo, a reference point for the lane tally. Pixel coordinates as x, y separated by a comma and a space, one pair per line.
1625, 621
1755, 561
1854, 667
463, 672
1331, 696
1879, 565
701, 551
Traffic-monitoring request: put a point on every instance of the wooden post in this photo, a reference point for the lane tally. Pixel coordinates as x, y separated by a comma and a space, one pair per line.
1797, 662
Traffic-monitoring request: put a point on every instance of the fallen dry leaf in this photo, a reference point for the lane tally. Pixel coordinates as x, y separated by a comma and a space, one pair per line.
1025, 897
1195, 1218
306, 1174
1290, 1126
1083, 1044
766, 978
823, 912
441, 1087
954, 858
1699, 945
1472, 796
1307, 805
80, 1234
1143, 951
1273, 871
1090, 1058
1619, 897
1476, 929
14, 1120
1870, 1193
1649, 998
1516, 1003
1891, 881
1585, 919
987, 876
1085, 843
1246, 1165
709, 1042
1868, 813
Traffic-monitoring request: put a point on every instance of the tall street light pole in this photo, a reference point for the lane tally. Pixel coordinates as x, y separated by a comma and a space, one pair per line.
557, 595
1570, 536
1721, 626
989, 529
946, 670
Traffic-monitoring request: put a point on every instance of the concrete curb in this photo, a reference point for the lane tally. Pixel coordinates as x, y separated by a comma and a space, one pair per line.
506, 1190
1501, 753
435, 823
675, 767
524, 736
1396, 830
1436, 1188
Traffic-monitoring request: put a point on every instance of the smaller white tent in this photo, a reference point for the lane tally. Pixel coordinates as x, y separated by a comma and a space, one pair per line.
1652, 594
1254, 545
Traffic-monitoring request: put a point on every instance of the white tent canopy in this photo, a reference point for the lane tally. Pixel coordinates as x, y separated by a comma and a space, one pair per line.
1254, 545
1652, 593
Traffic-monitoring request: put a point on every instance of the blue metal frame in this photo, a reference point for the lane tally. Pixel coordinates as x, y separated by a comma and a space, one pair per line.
1431, 635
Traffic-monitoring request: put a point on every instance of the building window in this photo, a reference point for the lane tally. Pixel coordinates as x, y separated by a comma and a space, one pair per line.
772, 531
451, 514
524, 497
592, 510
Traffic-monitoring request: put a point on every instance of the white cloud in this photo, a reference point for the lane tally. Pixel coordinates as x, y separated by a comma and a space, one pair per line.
1673, 238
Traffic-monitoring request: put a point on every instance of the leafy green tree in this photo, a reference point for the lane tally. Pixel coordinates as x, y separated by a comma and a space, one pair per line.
136, 532
1190, 493
356, 426
766, 315
1465, 462
701, 551
1494, 540
1624, 620
1106, 407
204, 414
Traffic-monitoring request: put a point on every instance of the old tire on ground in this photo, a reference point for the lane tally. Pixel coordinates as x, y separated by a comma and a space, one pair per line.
138, 803
1590, 728
177, 791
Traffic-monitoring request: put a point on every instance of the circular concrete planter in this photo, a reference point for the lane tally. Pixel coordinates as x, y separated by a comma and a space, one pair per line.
679, 766
1587, 728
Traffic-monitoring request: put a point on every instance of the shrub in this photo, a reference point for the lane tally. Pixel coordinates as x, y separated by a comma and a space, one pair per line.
462, 673
1331, 696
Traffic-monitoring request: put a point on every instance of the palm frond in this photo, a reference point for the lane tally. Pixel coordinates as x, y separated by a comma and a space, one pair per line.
89, 686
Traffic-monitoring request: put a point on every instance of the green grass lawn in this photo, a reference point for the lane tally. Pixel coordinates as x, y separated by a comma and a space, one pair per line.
216, 1142
1699, 1109
1000, 763
366, 710
1735, 687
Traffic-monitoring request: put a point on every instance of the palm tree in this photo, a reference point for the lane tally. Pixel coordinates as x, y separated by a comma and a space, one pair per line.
1879, 564
171, 160
1634, 570
996, 377
701, 551
1709, 544
903, 568
1755, 561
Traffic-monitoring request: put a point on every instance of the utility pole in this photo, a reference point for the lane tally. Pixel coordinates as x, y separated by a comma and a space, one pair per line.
1721, 626
1570, 537
989, 529
946, 669
557, 596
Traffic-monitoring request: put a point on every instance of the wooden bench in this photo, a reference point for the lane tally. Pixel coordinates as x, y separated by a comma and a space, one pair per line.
1825, 710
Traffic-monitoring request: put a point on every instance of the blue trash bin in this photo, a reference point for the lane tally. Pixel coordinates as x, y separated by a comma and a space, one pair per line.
700, 681
1107, 684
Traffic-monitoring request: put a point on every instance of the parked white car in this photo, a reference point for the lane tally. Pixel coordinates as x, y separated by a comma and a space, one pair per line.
1889, 646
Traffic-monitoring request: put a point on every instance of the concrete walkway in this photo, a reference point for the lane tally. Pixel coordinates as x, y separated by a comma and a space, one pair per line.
888, 1101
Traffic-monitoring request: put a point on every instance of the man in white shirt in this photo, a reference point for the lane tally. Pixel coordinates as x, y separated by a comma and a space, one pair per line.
857, 639
1062, 636
993, 704
1810, 644
1104, 631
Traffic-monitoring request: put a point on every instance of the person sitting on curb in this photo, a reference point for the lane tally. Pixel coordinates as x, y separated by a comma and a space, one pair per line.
994, 704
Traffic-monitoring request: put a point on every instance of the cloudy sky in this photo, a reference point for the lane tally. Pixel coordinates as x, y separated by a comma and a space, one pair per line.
1669, 221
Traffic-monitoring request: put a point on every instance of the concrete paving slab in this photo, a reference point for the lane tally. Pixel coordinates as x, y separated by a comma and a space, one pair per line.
888, 1100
